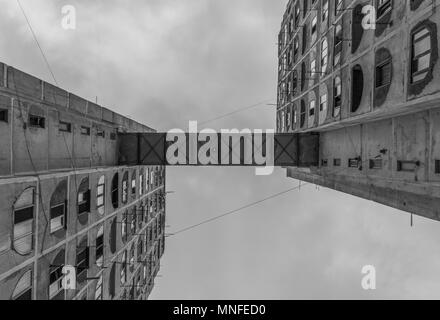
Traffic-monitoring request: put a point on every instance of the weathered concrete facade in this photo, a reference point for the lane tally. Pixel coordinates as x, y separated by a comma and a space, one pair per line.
373, 95
65, 201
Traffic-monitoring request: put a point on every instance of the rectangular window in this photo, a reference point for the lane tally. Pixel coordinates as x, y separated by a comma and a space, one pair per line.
337, 162
141, 184
353, 163
383, 74
323, 103
312, 106
85, 131
4, 115
37, 122
338, 44
420, 55
55, 281
337, 101
437, 166
82, 260
124, 268
314, 29
383, 7
407, 166
99, 249
100, 133
376, 164
100, 196
58, 217
124, 191
124, 226
84, 202
133, 187
65, 126
23, 229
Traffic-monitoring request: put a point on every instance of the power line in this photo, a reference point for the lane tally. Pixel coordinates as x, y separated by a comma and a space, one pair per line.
38, 43
236, 111
234, 211
72, 161
238, 210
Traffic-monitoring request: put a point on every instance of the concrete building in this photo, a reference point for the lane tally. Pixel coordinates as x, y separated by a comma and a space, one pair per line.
372, 95
65, 200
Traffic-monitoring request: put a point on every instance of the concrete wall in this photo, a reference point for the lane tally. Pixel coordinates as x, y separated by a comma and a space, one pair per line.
47, 246
412, 138
47, 157
393, 34
26, 149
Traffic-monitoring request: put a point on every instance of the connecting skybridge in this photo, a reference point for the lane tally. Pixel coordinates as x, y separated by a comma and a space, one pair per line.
228, 148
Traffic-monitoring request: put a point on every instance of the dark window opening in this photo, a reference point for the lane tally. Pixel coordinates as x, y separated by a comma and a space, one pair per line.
303, 114
337, 162
113, 236
83, 202
383, 74
37, 122
305, 7
357, 87
437, 166
115, 191
304, 42
354, 163
65, 126
324, 163
303, 76
82, 261
415, 4
99, 247
4, 115
85, 131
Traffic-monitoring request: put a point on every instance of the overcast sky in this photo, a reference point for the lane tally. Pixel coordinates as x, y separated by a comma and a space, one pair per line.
165, 62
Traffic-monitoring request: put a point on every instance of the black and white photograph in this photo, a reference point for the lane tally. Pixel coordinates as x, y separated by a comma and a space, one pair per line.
232, 153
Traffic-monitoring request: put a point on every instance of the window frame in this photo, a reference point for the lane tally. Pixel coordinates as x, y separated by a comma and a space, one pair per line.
100, 195
416, 58
24, 209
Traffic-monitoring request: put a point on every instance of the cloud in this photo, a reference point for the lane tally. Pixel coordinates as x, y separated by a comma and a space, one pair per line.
164, 62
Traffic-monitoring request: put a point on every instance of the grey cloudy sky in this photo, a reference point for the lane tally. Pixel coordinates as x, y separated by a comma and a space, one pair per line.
165, 62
